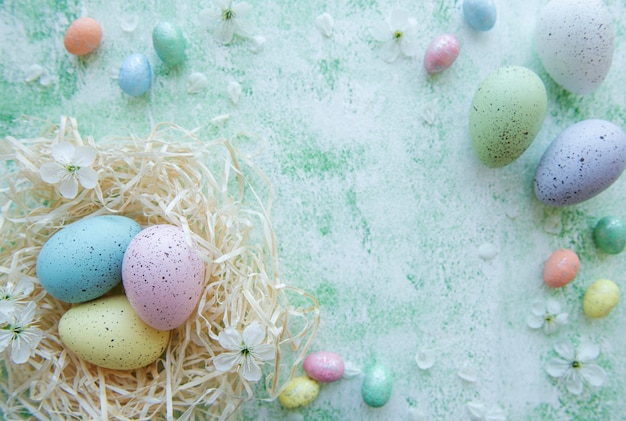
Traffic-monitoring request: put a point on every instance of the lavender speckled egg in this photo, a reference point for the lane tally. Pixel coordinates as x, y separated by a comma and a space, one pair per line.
163, 276
583, 161
83, 261
324, 366
574, 40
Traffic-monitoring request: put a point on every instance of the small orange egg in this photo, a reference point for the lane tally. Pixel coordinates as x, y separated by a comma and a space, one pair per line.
561, 267
83, 36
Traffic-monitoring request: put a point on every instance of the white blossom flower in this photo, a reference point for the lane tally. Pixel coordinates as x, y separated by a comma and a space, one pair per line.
247, 351
20, 333
479, 412
12, 296
575, 367
228, 21
72, 165
547, 316
399, 35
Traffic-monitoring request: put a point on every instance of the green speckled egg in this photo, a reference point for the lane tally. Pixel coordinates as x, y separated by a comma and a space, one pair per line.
609, 235
169, 43
376, 388
300, 391
506, 115
108, 333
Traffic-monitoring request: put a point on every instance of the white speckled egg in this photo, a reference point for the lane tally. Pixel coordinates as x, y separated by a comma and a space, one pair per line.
506, 114
163, 276
108, 333
574, 40
583, 161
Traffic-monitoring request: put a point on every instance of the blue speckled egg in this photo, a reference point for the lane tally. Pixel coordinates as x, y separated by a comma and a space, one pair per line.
480, 14
583, 161
83, 261
135, 75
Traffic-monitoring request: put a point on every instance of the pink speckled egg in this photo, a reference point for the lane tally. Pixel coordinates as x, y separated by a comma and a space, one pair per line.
324, 366
163, 276
441, 53
561, 268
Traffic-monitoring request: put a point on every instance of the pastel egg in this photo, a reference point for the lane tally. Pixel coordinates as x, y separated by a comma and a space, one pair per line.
609, 235
82, 36
441, 53
480, 14
324, 366
135, 75
169, 43
583, 161
376, 387
108, 333
600, 298
506, 114
163, 276
83, 260
300, 391
561, 268
574, 40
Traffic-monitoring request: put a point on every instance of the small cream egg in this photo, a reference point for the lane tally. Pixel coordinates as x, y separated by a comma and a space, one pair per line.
600, 298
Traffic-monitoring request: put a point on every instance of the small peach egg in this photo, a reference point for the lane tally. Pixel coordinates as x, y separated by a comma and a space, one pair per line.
560, 268
83, 36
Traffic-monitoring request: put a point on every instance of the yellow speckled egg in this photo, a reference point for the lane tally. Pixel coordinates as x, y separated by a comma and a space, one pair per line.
107, 332
299, 392
601, 298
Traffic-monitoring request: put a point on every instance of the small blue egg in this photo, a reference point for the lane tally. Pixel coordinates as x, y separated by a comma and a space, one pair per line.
480, 14
135, 75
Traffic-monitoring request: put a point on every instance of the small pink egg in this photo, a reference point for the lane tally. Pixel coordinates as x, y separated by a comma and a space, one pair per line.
560, 268
441, 53
324, 366
83, 36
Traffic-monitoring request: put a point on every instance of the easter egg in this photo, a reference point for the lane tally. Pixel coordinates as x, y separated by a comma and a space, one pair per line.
324, 366
574, 40
376, 387
169, 43
441, 53
135, 75
82, 36
600, 298
108, 333
506, 114
163, 276
83, 260
561, 268
583, 161
609, 235
480, 14
300, 391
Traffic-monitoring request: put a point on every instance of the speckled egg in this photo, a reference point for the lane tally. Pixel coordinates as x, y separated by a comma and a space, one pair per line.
376, 387
169, 43
441, 53
480, 14
506, 114
300, 391
163, 276
600, 298
82, 36
135, 75
561, 268
574, 40
609, 235
583, 161
83, 261
324, 366
108, 333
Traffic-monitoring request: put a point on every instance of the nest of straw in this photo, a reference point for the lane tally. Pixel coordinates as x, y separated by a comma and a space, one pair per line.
221, 201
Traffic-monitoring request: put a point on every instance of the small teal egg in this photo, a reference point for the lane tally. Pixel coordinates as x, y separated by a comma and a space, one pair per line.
376, 388
83, 261
480, 14
135, 75
610, 235
169, 43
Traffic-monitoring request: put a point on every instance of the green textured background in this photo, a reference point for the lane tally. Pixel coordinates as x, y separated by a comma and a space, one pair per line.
381, 205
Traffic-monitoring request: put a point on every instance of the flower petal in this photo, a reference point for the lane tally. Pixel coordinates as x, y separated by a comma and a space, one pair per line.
63, 152
241, 10
226, 360
88, 177
264, 352
69, 188
250, 370
230, 339
593, 374
390, 51
538, 308
51, 172
24, 287
561, 318
399, 19
587, 352
574, 383
5, 339
425, 359
557, 367
20, 351
477, 410
550, 327
495, 414
84, 155
553, 306
224, 32
565, 350
535, 321
222, 4
409, 45
381, 32
253, 335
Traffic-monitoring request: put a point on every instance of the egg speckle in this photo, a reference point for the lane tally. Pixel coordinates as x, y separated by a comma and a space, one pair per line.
300, 391
135, 76
600, 298
376, 387
609, 235
561, 268
583, 161
574, 40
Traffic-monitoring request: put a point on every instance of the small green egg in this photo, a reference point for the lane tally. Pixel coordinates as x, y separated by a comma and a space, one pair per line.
376, 388
169, 43
600, 298
300, 391
610, 235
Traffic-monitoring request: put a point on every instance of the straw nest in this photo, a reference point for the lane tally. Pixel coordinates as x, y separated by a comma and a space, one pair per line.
222, 202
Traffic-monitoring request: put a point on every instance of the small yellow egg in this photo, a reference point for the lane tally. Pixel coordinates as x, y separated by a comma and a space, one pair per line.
299, 392
601, 298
